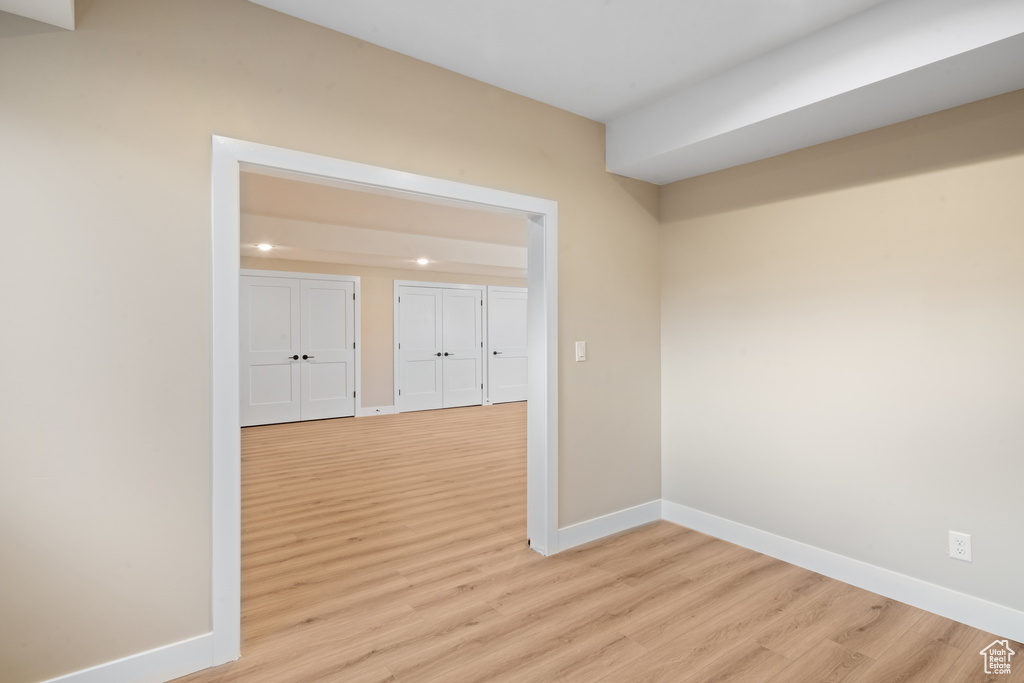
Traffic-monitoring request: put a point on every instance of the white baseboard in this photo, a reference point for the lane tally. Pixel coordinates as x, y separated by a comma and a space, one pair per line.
982, 614
178, 659
152, 666
375, 410
606, 525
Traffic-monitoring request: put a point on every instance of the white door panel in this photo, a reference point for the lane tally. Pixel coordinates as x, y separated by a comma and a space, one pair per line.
420, 318
421, 385
328, 349
462, 382
269, 345
327, 313
507, 379
506, 345
462, 318
419, 349
328, 382
271, 385
462, 340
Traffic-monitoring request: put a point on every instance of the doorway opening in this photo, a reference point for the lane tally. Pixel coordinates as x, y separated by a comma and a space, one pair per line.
229, 158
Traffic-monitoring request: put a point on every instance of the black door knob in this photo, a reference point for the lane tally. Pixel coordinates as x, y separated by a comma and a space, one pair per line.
295, 357
438, 354
496, 353
305, 357
446, 353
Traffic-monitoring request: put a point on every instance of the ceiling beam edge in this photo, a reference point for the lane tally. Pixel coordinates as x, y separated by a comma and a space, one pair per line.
59, 13
788, 99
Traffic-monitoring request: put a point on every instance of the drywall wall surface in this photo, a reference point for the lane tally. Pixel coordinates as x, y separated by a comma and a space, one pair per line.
377, 322
105, 187
841, 345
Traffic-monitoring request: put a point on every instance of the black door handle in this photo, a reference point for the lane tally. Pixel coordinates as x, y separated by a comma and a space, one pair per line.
438, 354
305, 357
448, 354
295, 357
497, 353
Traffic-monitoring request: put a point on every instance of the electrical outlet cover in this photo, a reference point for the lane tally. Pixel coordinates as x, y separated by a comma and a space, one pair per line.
960, 546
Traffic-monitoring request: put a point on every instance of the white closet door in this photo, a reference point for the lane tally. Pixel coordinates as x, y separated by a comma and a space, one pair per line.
269, 350
327, 353
506, 345
419, 349
462, 334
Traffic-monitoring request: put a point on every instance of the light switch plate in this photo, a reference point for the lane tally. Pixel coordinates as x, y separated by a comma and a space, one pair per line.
581, 351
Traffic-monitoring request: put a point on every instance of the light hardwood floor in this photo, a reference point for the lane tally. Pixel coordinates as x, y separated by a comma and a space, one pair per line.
393, 549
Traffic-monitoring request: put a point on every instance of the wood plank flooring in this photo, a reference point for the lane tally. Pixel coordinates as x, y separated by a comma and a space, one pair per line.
393, 548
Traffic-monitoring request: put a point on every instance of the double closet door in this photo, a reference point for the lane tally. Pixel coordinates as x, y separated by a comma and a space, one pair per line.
297, 354
439, 347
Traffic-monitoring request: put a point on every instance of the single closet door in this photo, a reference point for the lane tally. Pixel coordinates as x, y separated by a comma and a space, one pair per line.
269, 350
506, 345
327, 353
462, 337
419, 349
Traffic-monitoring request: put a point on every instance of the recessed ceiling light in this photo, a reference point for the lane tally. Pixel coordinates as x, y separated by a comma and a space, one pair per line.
264, 246
423, 261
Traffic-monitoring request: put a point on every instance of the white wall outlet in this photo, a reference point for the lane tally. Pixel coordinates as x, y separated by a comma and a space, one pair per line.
581, 351
960, 546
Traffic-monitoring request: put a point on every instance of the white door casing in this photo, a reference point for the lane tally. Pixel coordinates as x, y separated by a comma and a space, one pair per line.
327, 354
462, 339
418, 330
507, 363
228, 158
269, 333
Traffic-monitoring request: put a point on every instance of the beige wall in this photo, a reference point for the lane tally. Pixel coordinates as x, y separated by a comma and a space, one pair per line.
842, 336
842, 325
105, 184
376, 287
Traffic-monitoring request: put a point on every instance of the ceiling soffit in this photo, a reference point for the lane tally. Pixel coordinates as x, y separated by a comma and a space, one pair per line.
897, 61
60, 13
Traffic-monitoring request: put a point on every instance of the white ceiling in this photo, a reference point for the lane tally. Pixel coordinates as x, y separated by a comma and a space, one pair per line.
596, 58
692, 86
310, 219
